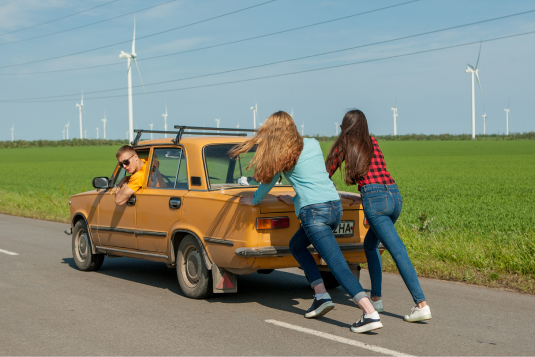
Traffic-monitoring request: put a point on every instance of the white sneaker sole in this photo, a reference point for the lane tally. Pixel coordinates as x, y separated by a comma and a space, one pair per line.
417, 319
367, 328
320, 311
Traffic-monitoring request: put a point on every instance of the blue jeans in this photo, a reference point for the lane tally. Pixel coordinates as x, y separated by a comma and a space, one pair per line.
382, 206
317, 224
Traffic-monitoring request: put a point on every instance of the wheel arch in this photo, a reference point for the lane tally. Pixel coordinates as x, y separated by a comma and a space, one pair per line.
176, 238
80, 217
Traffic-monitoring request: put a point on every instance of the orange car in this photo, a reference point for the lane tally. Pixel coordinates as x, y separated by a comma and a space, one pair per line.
187, 215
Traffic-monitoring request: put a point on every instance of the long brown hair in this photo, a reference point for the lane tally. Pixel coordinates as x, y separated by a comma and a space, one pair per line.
279, 147
354, 146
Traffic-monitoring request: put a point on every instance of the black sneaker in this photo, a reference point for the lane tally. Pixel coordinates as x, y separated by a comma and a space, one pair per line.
320, 306
367, 322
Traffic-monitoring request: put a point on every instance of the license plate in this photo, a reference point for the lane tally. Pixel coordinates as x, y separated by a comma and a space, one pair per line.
344, 229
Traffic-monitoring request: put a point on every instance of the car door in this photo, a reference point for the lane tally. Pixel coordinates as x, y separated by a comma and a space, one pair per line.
116, 224
159, 205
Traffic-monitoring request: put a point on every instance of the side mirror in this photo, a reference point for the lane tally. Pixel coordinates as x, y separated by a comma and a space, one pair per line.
100, 182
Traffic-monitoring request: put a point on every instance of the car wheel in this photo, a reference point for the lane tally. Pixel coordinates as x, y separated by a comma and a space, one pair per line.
194, 278
82, 251
329, 280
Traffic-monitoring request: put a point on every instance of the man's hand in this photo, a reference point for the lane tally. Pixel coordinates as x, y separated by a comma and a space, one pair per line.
356, 199
286, 199
246, 201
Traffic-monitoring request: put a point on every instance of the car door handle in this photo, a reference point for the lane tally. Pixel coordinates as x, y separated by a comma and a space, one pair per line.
131, 201
175, 202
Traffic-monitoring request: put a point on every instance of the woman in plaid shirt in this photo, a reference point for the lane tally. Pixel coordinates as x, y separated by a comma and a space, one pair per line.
381, 200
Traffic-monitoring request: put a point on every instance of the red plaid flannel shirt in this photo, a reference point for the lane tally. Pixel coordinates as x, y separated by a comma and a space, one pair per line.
377, 173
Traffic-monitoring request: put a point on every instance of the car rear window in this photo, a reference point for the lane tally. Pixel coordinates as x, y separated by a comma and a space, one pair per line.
226, 172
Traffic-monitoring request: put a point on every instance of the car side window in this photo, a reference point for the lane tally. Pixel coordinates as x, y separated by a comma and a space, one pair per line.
165, 171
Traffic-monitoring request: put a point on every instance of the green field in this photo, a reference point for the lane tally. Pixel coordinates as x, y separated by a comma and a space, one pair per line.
478, 196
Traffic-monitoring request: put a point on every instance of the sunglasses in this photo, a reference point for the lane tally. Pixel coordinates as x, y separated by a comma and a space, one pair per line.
126, 162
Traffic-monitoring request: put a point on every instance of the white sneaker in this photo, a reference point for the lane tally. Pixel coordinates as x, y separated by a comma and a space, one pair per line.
418, 314
367, 323
377, 305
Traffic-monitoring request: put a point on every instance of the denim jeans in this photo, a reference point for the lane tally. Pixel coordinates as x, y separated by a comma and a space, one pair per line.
317, 224
382, 206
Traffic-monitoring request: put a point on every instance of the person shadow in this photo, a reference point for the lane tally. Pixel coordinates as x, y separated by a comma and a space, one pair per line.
279, 290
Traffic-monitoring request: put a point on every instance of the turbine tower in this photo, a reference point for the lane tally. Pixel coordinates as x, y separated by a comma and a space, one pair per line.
474, 70
484, 120
151, 125
97, 132
255, 114
507, 117
336, 127
80, 108
165, 120
104, 122
217, 121
63, 133
395, 113
303, 129
12, 130
85, 133
129, 58
67, 126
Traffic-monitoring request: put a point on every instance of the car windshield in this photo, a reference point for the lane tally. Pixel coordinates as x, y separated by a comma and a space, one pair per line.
224, 172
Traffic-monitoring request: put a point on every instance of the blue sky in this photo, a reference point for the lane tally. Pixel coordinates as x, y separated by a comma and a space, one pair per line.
432, 90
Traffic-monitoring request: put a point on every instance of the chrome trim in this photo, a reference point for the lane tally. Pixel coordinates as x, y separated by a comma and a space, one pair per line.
114, 229
151, 233
132, 252
218, 241
284, 251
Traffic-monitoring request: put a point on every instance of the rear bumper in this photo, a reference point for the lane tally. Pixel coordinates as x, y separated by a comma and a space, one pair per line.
271, 251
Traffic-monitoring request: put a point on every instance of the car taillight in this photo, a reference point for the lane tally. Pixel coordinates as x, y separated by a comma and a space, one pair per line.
272, 223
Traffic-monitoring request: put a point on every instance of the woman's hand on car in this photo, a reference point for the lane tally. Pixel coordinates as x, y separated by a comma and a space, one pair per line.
355, 199
286, 199
246, 201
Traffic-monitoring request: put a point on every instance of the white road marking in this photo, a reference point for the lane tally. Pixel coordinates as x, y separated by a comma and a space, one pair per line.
347, 341
8, 252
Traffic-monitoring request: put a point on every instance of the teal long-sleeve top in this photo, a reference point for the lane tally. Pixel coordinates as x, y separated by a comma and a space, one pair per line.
309, 179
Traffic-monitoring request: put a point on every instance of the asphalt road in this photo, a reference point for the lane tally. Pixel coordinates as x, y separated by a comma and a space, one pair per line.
132, 307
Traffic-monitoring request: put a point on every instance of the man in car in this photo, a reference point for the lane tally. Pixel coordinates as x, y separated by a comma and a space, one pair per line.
136, 167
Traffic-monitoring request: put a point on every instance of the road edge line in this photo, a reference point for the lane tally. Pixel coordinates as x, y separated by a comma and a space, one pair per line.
8, 252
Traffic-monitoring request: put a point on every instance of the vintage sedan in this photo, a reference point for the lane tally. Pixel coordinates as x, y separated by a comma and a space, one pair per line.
187, 215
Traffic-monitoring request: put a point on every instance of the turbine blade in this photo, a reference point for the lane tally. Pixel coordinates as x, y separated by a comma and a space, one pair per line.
139, 75
481, 43
481, 90
134, 40
473, 69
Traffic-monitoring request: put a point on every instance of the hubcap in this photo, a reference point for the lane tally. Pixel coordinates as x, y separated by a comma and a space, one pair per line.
192, 266
82, 246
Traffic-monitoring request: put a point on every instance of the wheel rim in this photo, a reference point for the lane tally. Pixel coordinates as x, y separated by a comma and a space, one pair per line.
82, 246
191, 266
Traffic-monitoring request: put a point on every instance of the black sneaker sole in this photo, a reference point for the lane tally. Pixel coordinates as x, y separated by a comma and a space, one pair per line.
320, 311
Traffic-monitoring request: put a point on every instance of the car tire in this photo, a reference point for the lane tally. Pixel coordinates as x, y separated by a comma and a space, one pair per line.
194, 278
329, 280
82, 251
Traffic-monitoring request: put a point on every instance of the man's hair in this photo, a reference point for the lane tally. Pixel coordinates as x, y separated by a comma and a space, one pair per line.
123, 149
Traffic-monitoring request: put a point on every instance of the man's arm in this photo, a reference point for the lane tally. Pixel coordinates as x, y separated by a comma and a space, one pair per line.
123, 192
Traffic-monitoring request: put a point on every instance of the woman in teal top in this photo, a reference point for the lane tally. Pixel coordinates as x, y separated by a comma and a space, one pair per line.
282, 150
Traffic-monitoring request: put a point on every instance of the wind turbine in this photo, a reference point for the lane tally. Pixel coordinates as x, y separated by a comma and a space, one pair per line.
129, 58
292, 115
97, 132
255, 114
238, 126
165, 120
104, 122
127, 132
63, 134
303, 129
507, 117
12, 130
151, 125
336, 127
80, 108
217, 121
395, 113
484, 119
85, 133
473, 70
67, 126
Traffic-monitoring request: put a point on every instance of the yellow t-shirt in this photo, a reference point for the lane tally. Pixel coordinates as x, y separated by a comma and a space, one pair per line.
136, 180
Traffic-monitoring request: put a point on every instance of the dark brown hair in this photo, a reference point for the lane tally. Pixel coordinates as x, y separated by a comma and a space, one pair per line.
354, 146
279, 147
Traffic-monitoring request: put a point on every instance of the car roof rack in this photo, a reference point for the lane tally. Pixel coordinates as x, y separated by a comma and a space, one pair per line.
183, 128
